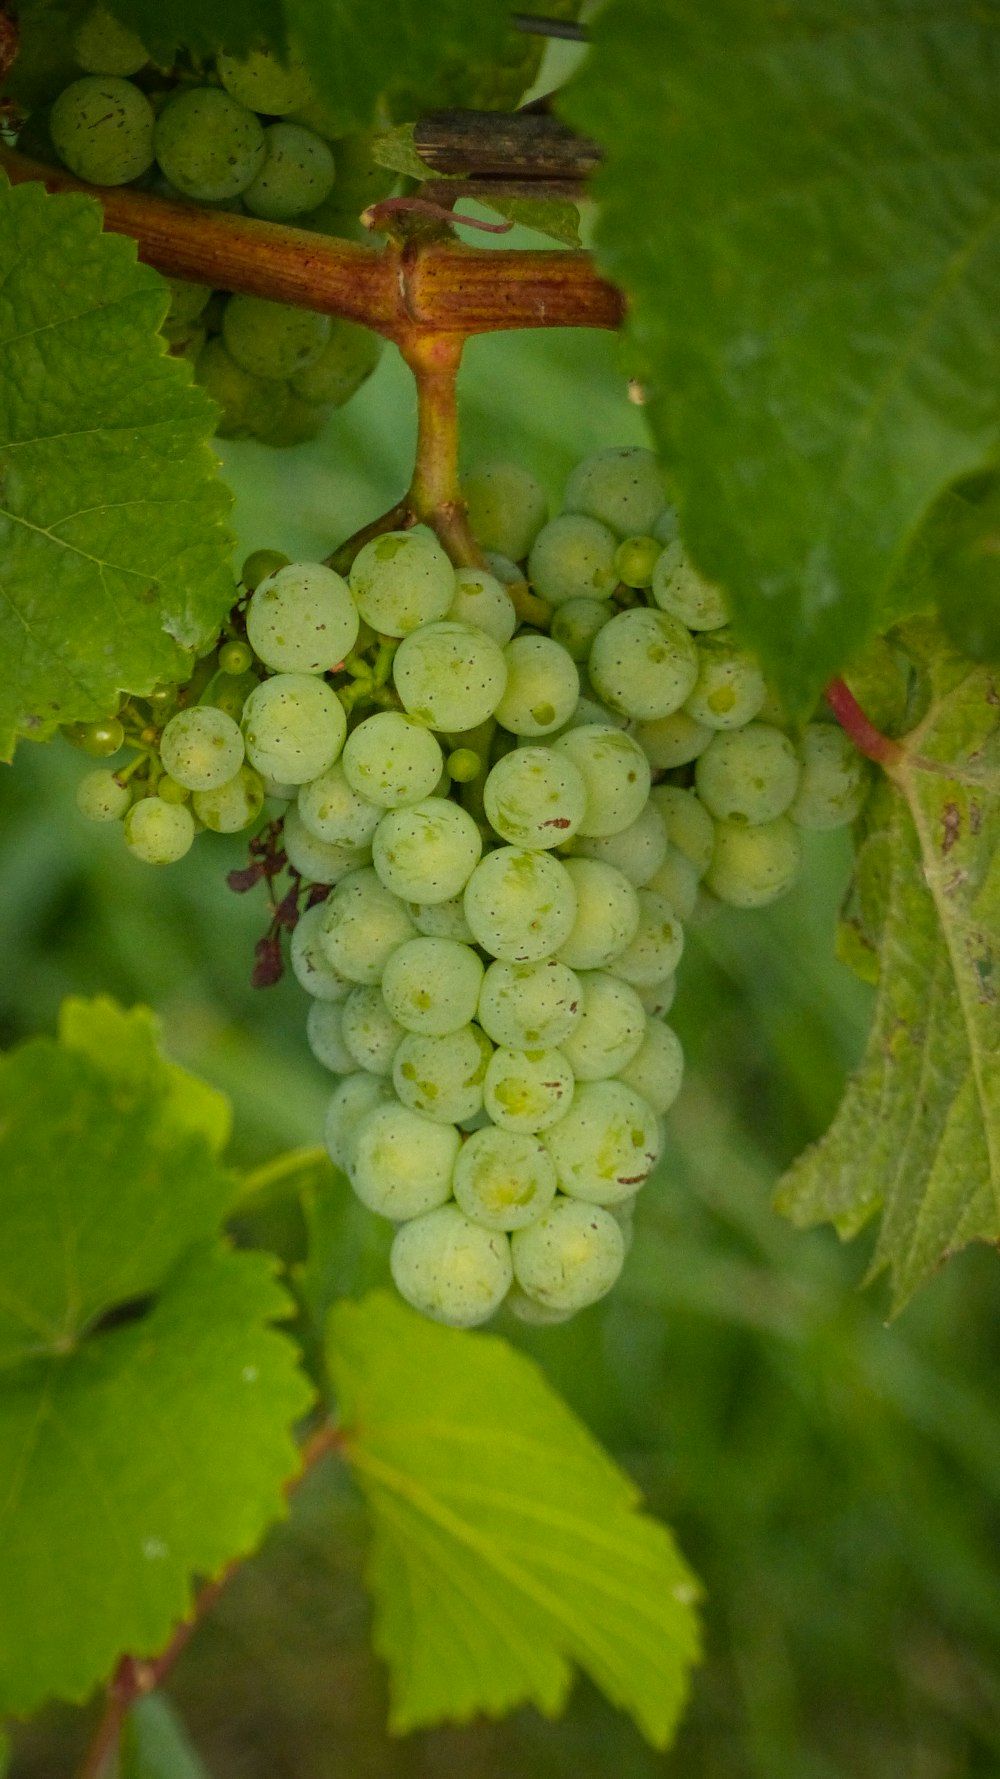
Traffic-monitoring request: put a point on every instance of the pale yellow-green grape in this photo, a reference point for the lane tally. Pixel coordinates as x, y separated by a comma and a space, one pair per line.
450, 675
302, 619
659, 997
677, 880
576, 623
392, 760
441, 920
401, 580
450, 1268
102, 797
370, 1034
530, 1006
833, 782
611, 1030
520, 905
635, 559
201, 748
689, 826
503, 1179
656, 949
570, 1257
320, 861
325, 1037
534, 798
748, 775
363, 923
678, 588
102, 129
606, 1145
674, 740
730, 689
482, 600
643, 664
433, 985
294, 727
588, 713
333, 812
607, 914
401, 1163
443, 1076
159, 833
297, 174
657, 1068
506, 507
573, 557
527, 1090
752, 866
615, 772
312, 969
249, 404
637, 851
273, 339
543, 685
352, 1099
209, 146
233, 806
621, 486
427, 851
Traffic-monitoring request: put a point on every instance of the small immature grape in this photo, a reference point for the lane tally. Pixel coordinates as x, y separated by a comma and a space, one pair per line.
259, 564
102, 797
248, 403
202, 748
504, 1179
833, 782
622, 487
100, 739
543, 685
208, 144
159, 833
102, 129
401, 580
506, 507
463, 765
573, 557
752, 866
235, 656
233, 806
172, 792
606, 1145
272, 339
570, 1257
451, 1268
102, 46
187, 302
297, 174
302, 619
635, 560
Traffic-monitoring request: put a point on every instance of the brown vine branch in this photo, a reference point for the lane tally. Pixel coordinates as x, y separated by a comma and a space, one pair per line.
134, 1678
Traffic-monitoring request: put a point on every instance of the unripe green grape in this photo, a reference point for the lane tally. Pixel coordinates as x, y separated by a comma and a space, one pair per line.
480, 599
202, 748
233, 806
507, 572
294, 725
615, 772
102, 797
754, 866
172, 792
346, 361
688, 824
570, 1257
187, 301
259, 564
503, 1179
606, 1145
333, 812
621, 486
520, 905
450, 1268
235, 656
533, 797
506, 507
677, 880
392, 760
748, 775
432, 985
264, 82
443, 1076
674, 740
159, 833
656, 1070
441, 920
208, 145
656, 949
325, 1037
543, 685
576, 623
272, 340
318, 860
643, 664
730, 689
302, 619
102, 46
635, 559
658, 997
527, 1090
310, 964
100, 739
229, 692
401, 580
428, 851
102, 129
573, 557
450, 675
248, 403
369, 1031
530, 1006
463, 765
679, 589
610, 1031
297, 174
607, 914
529, 1310
637, 851
350, 1102
362, 925
833, 781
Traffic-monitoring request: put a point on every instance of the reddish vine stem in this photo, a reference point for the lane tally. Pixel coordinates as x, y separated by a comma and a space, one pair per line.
866, 738
134, 1678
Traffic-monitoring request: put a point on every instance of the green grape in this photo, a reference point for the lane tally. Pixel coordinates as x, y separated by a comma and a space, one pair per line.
506, 507
534, 798
451, 1268
296, 175
615, 772
833, 782
428, 851
302, 619
232, 806
748, 775
530, 1006
263, 82
100, 739
680, 590
667, 528
352, 1100
208, 145
573, 557
656, 949
622, 487
235, 657
294, 726
432, 985
730, 689
295, 423
272, 340
587, 713
172, 792
319, 861
463, 765
102, 797
310, 965
248, 403
753, 866
606, 1145
637, 851
520, 905
643, 664
401, 1162
441, 920
392, 760
333, 812
363, 924
607, 914
187, 301
674, 740
507, 572
450, 675
527, 1090
504, 1179
229, 692
102, 46
576, 623
369, 1031
611, 1031
480, 599
259, 564
635, 560
543, 685
202, 748
159, 833
688, 824
325, 1037
659, 997
528, 1309
401, 580
102, 129
677, 880
443, 1076
570, 1257
657, 1068
346, 361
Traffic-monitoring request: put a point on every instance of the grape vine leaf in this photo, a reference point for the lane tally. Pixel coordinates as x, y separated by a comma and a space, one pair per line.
114, 558
507, 1545
918, 1132
145, 1400
155, 1744
800, 203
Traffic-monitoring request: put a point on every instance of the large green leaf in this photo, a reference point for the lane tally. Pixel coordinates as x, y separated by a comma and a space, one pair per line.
801, 203
918, 1132
113, 553
145, 1402
507, 1545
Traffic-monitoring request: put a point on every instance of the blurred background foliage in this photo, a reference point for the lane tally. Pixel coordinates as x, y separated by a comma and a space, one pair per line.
836, 1482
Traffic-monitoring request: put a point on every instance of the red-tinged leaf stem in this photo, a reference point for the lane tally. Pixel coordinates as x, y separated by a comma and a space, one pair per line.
866, 738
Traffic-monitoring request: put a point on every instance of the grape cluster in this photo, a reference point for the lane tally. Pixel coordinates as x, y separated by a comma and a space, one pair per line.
504, 829
251, 136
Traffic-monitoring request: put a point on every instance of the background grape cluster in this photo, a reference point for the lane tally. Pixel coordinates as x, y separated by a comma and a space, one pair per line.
495, 832
247, 135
